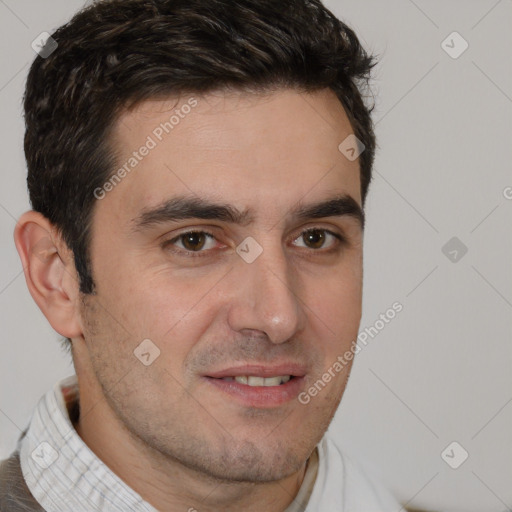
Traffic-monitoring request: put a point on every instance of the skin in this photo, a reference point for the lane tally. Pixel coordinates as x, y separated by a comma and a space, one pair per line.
178, 441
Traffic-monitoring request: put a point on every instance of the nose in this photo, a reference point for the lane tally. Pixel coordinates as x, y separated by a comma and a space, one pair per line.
267, 297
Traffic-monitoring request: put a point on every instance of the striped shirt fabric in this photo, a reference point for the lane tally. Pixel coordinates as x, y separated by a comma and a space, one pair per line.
61, 471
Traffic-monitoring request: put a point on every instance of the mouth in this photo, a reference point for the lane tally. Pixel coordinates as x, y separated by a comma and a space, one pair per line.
259, 386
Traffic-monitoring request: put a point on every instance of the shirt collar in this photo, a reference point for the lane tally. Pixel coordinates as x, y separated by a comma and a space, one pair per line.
61, 471
64, 474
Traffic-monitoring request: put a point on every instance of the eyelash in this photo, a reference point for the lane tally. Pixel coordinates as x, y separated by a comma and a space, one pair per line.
197, 254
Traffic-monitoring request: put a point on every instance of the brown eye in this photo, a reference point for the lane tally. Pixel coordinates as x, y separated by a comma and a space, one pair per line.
191, 242
316, 238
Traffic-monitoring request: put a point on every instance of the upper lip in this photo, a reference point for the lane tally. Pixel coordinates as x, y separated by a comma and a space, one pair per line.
260, 370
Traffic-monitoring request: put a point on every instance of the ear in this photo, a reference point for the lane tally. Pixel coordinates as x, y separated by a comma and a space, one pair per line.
49, 272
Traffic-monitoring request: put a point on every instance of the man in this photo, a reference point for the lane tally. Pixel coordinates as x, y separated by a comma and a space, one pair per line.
197, 172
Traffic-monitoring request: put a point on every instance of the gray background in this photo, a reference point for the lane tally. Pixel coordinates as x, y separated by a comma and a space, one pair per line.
441, 370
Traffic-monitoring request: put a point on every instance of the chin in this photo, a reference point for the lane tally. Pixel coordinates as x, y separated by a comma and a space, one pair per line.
257, 463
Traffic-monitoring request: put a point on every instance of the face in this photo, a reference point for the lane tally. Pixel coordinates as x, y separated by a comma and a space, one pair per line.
209, 323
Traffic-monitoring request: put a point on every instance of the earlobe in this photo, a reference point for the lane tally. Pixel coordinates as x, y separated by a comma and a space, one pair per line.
49, 272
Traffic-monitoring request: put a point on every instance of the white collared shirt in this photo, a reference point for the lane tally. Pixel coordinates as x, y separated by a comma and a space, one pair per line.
61, 471
64, 474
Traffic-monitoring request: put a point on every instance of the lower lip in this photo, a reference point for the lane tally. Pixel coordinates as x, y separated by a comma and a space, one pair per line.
259, 396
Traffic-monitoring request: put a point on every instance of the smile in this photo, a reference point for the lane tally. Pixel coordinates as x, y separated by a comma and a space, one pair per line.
256, 381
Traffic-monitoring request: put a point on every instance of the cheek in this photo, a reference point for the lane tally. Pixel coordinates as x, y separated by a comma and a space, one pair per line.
172, 311
336, 303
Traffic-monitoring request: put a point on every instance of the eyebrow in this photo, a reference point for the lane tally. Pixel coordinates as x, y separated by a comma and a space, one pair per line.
184, 207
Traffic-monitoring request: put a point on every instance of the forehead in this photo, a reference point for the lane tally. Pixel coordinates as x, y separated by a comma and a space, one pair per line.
251, 150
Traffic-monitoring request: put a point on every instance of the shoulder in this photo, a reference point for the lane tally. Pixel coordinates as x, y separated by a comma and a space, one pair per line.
15, 496
361, 489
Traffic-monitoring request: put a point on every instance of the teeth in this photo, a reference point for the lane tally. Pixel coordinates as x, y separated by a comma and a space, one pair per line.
260, 381
250, 380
